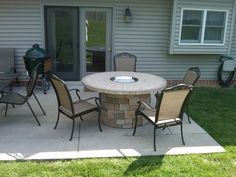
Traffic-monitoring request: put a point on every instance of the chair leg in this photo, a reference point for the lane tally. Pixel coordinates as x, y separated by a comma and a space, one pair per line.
39, 104
99, 120
58, 116
182, 136
34, 114
154, 139
6, 109
135, 125
72, 131
187, 107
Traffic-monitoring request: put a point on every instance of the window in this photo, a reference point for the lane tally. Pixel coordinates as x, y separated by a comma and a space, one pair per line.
203, 27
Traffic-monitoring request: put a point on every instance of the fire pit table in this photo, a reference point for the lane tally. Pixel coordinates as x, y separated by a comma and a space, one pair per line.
119, 93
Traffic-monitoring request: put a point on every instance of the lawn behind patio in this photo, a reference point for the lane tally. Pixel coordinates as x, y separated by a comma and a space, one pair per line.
212, 109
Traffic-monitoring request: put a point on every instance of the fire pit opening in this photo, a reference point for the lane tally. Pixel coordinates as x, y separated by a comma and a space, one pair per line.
124, 79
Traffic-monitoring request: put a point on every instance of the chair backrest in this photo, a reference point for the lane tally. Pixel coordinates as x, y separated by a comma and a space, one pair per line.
172, 101
7, 60
63, 96
47, 65
192, 76
32, 81
125, 62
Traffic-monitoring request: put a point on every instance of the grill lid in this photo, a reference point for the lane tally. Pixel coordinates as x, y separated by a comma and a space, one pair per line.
36, 52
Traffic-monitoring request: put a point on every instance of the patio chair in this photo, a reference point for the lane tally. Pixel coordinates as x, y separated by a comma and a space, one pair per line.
7, 62
169, 111
68, 107
15, 98
125, 62
191, 77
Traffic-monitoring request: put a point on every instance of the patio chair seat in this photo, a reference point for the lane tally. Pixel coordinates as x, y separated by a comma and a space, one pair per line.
151, 114
13, 98
80, 107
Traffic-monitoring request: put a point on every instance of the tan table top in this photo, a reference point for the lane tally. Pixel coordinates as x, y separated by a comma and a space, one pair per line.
101, 82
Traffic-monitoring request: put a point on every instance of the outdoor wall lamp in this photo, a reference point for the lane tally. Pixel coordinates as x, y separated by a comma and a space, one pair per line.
128, 16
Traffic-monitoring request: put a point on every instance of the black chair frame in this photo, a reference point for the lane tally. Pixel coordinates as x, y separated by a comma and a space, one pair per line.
164, 125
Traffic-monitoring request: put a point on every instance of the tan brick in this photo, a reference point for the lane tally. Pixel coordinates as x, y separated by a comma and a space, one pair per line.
127, 126
103, 113
124, 101
113, 100
117, 107
133, 107
109, 106
129, 114
119, 115
124, 107
110, 114
103, 98
111, 123
133, 100
128, 121
120, 122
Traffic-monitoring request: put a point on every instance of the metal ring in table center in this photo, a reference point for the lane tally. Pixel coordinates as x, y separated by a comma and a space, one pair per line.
144, 84
124, 79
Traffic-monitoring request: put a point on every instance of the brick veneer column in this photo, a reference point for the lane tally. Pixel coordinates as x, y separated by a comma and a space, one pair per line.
119, 110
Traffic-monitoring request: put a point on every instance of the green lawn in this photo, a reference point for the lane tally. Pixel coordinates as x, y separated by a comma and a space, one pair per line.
213, 109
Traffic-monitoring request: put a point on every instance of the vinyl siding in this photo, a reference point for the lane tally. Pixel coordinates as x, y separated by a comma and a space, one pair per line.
20, 27
201, 49
233, 45
147, 36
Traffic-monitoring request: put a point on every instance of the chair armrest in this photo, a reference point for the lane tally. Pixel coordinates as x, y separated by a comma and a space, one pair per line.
76, 91
141, 103
96, 99
178, 85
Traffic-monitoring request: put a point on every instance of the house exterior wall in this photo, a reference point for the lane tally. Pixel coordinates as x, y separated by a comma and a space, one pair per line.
20, 27
226, 5
148, 36
233, 45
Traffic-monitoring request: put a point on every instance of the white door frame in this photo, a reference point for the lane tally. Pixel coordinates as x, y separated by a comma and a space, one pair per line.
82, 40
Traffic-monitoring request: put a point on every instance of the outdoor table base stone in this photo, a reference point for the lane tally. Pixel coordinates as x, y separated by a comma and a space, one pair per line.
119, 110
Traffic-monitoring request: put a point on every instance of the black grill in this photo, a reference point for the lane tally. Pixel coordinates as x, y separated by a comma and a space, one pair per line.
37, 55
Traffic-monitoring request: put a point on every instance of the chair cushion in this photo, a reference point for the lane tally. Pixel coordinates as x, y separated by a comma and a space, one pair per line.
80, 106
12, 98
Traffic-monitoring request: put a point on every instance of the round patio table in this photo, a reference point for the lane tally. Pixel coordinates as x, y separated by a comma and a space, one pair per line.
119, 93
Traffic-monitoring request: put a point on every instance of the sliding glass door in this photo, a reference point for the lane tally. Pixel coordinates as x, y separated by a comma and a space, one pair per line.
78, 40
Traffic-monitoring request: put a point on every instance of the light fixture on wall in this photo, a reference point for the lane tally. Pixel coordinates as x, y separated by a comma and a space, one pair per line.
128, 16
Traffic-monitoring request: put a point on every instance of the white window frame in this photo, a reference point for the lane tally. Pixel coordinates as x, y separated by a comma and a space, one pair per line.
203, 26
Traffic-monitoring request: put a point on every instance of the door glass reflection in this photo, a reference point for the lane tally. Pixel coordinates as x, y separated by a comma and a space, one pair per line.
95, 41
63, 41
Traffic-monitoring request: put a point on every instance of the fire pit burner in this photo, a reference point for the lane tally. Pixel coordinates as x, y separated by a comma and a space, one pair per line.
124, 79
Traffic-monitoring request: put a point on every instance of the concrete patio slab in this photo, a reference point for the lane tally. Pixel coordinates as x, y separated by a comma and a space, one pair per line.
22, 139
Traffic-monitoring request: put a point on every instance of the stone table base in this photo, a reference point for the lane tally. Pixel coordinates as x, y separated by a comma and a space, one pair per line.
119, 110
